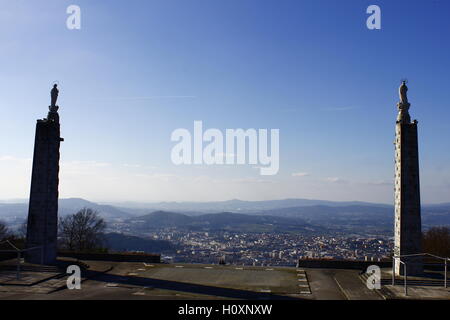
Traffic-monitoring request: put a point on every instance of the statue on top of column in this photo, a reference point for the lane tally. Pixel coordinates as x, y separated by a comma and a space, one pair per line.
403, 91
53, 108
54, 95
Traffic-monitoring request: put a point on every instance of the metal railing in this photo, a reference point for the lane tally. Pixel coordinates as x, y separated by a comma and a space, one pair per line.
19, 254
404, 267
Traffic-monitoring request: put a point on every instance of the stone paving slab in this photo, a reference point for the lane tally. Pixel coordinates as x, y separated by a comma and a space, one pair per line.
354, 287
27, 278
419, 292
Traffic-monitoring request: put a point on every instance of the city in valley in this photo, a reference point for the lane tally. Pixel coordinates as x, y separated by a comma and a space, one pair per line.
272, 233
268, 249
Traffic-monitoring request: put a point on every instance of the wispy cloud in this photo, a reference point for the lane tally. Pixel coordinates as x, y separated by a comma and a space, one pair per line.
137, 166
158, 176
336, 180
300, 174
127, 165
89, 163
339, 108
380, 183
143, 98
250, 180
14, 159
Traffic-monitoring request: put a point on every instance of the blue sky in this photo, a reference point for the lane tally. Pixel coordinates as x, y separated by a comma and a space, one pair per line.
138, 70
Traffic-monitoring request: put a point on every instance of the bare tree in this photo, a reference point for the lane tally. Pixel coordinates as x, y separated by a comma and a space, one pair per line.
82, 231
4, 231
437, 241
22, 231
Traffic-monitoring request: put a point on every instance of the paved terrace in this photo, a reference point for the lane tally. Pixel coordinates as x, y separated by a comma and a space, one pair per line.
136, 280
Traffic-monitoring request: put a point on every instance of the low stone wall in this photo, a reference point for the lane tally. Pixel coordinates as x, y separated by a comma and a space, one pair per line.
7, 256
342, 264
120, 257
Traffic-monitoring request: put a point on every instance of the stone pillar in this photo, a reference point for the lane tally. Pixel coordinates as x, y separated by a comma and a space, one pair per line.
43, 206
408, 225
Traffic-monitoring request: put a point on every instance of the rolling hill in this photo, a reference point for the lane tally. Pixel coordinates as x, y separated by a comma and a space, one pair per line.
225, 221
288, 214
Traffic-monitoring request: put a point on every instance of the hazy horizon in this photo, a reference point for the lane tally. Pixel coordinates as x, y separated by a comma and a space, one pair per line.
112, 202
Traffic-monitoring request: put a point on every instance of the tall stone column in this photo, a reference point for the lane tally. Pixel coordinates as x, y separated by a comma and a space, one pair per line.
43, 206
408, 225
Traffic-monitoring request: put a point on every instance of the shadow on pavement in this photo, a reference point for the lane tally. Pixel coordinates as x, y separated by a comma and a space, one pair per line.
185, 287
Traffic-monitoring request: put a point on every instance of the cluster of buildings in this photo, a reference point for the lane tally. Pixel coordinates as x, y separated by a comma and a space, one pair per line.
275, 249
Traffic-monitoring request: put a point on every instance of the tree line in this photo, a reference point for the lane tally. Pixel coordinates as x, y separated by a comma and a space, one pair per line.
82, 231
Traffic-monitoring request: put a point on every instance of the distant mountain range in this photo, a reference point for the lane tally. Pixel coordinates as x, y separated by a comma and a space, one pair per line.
237, 205
225, 221
288, 214
66, 206
122, 243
